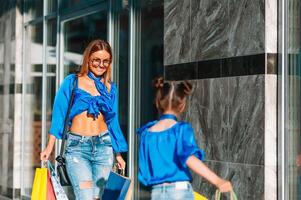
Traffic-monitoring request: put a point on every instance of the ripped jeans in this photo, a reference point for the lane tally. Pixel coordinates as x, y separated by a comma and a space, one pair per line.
89, 160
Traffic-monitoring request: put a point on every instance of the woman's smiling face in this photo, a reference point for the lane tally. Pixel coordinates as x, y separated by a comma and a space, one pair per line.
99, 62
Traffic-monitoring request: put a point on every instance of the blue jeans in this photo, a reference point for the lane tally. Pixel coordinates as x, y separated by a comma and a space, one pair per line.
173, 191
89, 160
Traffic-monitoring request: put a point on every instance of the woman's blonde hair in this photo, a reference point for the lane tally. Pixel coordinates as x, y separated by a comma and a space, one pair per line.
94, 46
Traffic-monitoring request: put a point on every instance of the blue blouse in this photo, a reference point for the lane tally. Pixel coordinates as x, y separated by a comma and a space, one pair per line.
106, 103
163, 155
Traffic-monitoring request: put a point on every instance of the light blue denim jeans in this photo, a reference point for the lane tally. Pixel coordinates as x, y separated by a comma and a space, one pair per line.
173, 191
88, 159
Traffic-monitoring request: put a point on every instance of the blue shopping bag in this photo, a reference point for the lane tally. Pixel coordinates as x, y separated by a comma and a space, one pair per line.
117, 187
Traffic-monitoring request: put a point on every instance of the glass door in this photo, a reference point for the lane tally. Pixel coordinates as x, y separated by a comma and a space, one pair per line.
77, 33
289, 100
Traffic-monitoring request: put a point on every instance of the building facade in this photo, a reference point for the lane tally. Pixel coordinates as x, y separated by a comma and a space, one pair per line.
241, 56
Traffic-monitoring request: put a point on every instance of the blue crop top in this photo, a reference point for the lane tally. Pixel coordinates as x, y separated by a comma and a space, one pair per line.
105, 103
163, 155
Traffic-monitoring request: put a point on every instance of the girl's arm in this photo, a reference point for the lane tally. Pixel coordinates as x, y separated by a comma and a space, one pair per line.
201, 169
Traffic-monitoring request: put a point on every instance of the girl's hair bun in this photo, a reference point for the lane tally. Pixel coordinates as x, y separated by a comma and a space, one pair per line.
158, 82
187, 87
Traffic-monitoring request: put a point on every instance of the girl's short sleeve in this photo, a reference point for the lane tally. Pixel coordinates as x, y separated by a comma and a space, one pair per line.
186, 144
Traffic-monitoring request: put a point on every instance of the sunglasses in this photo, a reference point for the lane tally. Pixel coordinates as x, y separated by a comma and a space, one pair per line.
97, 62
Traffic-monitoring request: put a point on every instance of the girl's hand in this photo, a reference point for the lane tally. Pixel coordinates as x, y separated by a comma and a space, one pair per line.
224, 186
120, 162
44, 155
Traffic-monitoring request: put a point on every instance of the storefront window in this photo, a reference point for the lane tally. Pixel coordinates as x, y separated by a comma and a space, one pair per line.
33, 104
51, 59
77, 35
33, 9
51, 6
294, 106
7, 97
152, 28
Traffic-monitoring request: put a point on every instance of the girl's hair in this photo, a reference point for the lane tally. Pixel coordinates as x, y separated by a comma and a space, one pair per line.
171, 95
93, 46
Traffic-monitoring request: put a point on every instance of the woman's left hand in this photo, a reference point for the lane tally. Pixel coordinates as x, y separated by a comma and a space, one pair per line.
120, 162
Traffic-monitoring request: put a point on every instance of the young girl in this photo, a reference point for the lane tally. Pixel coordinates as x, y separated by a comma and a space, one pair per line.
95, 133
168, 149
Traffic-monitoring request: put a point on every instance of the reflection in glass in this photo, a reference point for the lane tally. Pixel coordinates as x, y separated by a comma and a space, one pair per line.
33, 104
123, 68
51, 81
77, 3
294, 100
77, 35
50, 75
51, 6
152, 26
7, 99
33, 8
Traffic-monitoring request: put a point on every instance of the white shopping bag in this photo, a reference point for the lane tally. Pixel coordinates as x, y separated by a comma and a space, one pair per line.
58, 189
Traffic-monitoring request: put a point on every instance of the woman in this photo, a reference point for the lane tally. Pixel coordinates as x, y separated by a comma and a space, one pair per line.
168, 149
95, 133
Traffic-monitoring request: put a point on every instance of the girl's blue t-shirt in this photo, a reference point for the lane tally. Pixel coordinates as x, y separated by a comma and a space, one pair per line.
163, 155
105, 103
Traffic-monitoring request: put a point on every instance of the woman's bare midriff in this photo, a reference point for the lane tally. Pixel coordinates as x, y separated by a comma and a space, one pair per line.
85, 125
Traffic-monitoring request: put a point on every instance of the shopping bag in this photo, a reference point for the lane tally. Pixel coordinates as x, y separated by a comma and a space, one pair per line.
198, 196
50, 191
218, 195
57, 187
118, 187
39, 187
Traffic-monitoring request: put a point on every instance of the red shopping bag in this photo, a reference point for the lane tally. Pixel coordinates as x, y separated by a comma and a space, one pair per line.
50, 195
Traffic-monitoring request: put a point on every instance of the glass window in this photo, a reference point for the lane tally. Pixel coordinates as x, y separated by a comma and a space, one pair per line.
77, 3
51, 59
152, 26
77, 35
7, 99
123, 68
33, 8
51, 6
293, 131
33, 104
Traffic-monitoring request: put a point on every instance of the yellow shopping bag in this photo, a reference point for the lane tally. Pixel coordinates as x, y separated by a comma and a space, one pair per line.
39, 187
198, 196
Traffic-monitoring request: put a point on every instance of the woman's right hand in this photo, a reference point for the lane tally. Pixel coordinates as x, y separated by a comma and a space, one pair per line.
44, 155
224, 186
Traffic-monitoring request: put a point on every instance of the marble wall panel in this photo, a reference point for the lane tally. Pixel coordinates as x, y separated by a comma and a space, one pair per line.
208, 114
246, 119
198, 30
209, 29
247, 27
247, 180
228, 118
176, 31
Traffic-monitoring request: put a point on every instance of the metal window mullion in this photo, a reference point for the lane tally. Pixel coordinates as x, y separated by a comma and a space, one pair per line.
283, 182
44, 79
134, 85
58, 63
23, 107
113, 36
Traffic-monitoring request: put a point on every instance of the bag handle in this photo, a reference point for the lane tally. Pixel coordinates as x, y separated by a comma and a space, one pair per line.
117, 170
218, 195
66, 119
